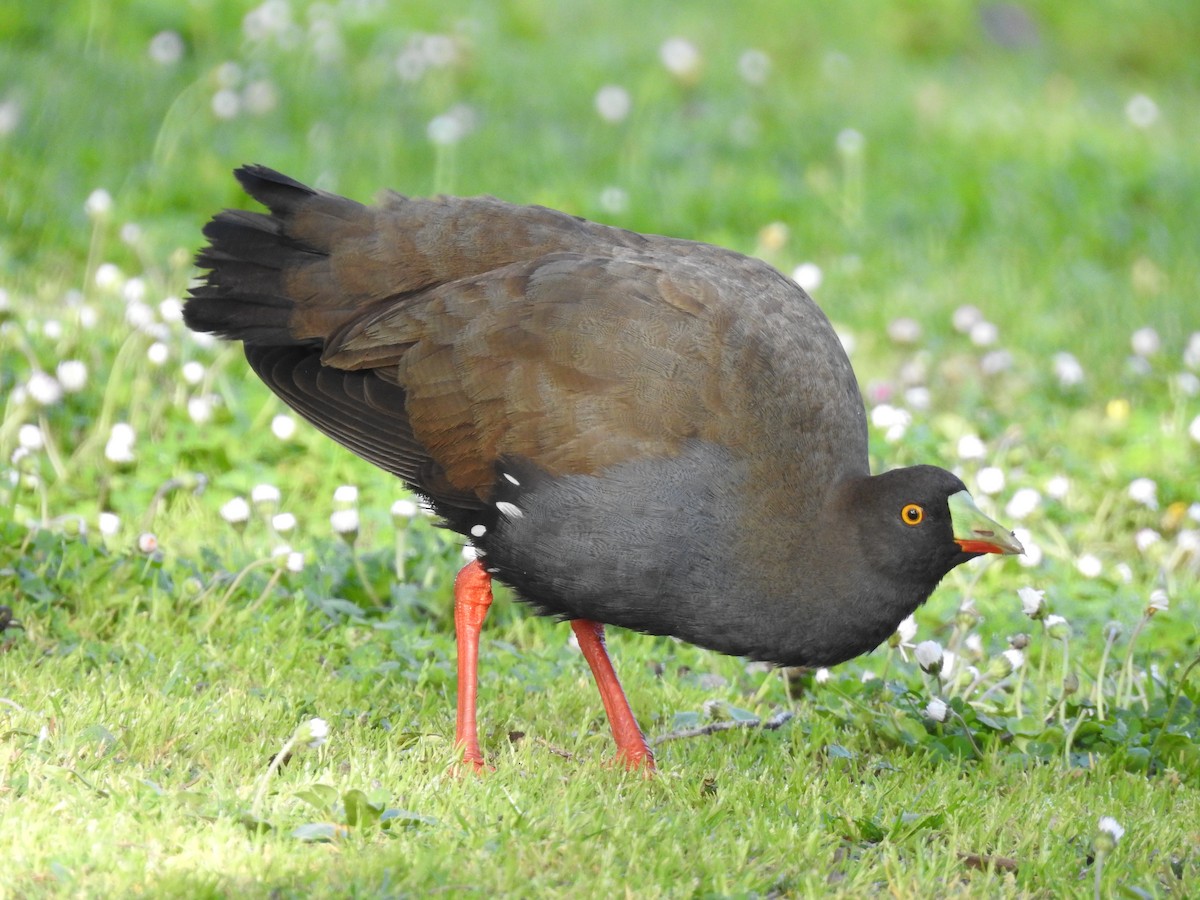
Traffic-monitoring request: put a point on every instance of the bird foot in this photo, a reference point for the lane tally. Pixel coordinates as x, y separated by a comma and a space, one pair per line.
639, 760
471, 765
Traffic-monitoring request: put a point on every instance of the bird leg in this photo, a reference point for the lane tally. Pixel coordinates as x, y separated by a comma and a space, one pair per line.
632, 748
472, 597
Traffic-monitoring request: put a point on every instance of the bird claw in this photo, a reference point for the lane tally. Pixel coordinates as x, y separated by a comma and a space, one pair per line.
471, 765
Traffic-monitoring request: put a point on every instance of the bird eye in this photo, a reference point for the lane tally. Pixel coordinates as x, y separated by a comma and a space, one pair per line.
912, 514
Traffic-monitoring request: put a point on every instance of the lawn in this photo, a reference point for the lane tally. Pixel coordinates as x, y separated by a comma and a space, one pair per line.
996, 205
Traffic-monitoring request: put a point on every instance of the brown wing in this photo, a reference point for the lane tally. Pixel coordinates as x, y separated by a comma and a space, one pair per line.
573, 362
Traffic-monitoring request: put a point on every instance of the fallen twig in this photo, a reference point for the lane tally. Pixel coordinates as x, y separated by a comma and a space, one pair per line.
770, 724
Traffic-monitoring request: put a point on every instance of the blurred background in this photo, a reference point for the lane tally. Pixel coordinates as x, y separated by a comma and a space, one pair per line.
1037, 160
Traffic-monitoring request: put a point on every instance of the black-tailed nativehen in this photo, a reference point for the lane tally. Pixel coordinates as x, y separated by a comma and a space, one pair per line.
632, 430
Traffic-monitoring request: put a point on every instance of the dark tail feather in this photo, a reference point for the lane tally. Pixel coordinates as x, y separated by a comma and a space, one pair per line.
249, 258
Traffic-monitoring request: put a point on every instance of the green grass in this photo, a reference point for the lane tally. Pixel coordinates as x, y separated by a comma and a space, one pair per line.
145, 699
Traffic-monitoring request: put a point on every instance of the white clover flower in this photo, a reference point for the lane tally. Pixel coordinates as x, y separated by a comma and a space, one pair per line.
260, 96
681, 58
1089, 565
236, 511
983, 333
108, 277
937, 709
1006, 663
283, 427
808, 275
614, 200
30, 437
918, 397
1141, 111
166, 48
226, 104
109, 523
170, 309
72, 375
1057, 627
312, 733
446, 129
119, 448
613, 103
283, 522
1110, 826
439, 50
904, 330
1033, 602
1144, 491
850, 142
965, 318
99, 204
147, 542
970, 446
265, 495
754, 66
929, 656
892, 420
295, 562
1146, 538
822, 675
403, 510
996, 361
1023, 502
907, 629
1191, 353
1067, 370
1058, 486
990, 480
44, 389
192, 372
1186, 383
134, 291
200, 409
157, 353
345, 522
52, 328
10, 116
949, 660
346, 495
1145, 342
1160, 601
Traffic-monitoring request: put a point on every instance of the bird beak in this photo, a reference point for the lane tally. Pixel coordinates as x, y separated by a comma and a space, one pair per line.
976, 533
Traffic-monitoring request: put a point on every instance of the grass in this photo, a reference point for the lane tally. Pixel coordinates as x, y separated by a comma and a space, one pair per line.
923, 160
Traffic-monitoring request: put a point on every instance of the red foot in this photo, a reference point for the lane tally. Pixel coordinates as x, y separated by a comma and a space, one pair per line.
632, 750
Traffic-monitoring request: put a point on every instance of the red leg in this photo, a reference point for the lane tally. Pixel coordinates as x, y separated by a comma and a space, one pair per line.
472, 597
632, 748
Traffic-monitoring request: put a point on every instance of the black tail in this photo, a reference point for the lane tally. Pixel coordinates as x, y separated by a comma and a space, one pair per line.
245, 295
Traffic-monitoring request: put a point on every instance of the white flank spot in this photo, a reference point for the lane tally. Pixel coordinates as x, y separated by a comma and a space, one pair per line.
509, 509
512, 480
478, 530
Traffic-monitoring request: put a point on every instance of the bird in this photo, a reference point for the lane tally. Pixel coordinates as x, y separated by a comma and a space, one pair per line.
632, 430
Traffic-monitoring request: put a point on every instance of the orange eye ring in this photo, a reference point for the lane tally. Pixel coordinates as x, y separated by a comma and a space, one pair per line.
912, 514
